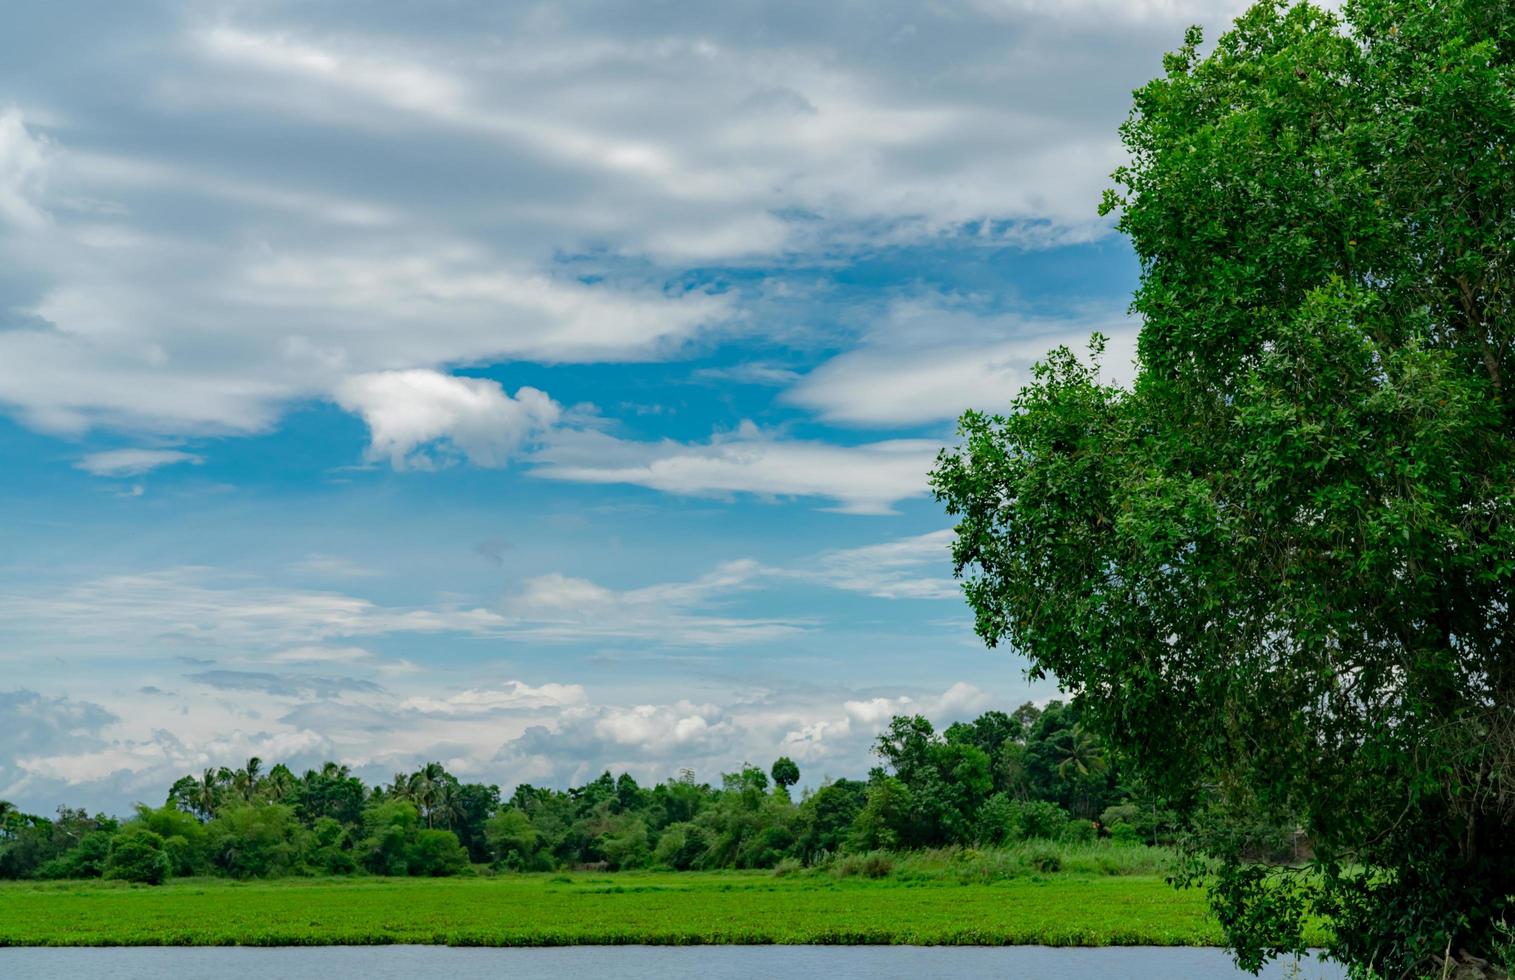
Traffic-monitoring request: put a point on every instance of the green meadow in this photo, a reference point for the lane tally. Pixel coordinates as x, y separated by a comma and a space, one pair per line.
650, 908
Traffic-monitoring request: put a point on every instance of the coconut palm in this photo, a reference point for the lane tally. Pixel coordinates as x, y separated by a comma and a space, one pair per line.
1078, 752
278, 785
207, 795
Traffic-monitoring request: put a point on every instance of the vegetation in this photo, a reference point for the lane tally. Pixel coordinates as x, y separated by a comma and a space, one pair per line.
1278, 571
1036, 775
636, 907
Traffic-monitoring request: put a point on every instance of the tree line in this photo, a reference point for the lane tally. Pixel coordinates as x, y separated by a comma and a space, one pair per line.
1001, 778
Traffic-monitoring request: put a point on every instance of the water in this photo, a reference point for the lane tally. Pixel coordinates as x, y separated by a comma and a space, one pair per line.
639, 963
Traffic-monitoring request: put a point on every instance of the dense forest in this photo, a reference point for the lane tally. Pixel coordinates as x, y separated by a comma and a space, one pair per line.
1033, 773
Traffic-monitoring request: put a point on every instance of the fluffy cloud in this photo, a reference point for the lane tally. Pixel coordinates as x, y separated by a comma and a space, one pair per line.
408, 410
62, 750
654, 740
863, 479
134, 462
37, 724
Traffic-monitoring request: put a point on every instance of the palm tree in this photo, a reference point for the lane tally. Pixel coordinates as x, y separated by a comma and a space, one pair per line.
279, 785
1078, 752
7, 811
1080, 757
422, 788
207, 796
245, 780
446, 804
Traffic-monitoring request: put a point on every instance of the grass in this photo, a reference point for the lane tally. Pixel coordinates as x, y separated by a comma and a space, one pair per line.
1055, 895
651, 908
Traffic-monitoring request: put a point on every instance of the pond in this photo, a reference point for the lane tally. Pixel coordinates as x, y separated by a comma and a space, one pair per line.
639, 962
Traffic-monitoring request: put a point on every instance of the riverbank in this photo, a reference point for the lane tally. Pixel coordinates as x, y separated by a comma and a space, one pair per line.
651, 908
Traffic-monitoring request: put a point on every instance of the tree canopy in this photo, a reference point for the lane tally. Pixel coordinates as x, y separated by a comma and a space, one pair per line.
996, 780
1277, 570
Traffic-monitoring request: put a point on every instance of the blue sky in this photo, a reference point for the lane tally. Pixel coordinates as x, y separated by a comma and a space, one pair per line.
535, 388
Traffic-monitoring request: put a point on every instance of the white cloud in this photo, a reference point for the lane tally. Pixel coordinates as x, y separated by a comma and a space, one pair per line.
23, 170
134, 462
904, 374
825, 732
511, 696
561, 607
907, 568
206, 609
863, 479
472, 194
751, 373
321, 655
408, 410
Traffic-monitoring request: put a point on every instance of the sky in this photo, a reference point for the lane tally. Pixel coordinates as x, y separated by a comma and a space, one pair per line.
537, 388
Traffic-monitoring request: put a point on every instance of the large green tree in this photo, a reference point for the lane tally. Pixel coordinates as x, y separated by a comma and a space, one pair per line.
1277, 569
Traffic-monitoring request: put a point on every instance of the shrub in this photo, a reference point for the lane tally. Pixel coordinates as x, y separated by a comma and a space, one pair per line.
787, 866
87, 860
1125, 834
1078, 832
183, 837
436, 854
1039, 820
996, 820
137, 855
874, 864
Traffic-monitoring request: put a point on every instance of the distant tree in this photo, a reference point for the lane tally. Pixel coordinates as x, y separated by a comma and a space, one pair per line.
435, 854
389, 828
255, 840
331, 791
785, 773
514, 843
828, 815
136, 854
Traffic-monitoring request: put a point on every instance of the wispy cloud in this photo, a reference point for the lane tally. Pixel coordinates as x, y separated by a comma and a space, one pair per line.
863, 479
134, 462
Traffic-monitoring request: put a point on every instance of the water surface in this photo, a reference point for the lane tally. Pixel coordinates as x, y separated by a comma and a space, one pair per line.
639, 963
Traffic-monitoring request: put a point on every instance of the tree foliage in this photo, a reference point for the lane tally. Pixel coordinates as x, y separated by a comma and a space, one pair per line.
1277, 570
992, 781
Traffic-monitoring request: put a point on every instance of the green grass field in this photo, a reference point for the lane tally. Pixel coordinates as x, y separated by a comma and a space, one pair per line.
653, 908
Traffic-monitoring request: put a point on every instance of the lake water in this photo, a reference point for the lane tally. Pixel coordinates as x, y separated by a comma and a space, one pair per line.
639, 963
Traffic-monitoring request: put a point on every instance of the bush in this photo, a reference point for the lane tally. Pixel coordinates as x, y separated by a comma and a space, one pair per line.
996, 820
1125, 835
137, 855
1078, 832
436, 854
183, 837
87, 860
1039, 820
874, 864
787, 866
